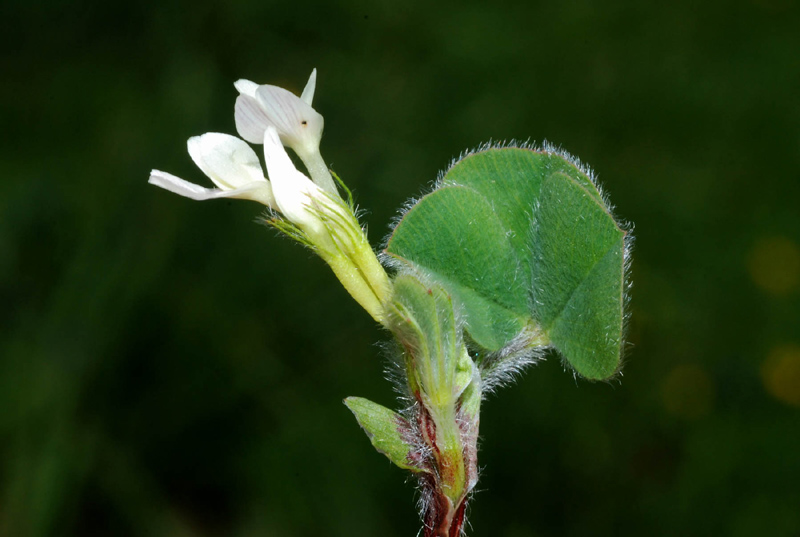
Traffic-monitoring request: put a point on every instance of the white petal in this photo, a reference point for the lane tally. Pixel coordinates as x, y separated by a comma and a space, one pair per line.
275, 156
227, 160
180, 186
308, 93
260, 192
246, 87
251, 119
298, 124
293, 191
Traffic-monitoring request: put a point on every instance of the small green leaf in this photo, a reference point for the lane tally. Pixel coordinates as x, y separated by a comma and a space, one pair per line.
388, 431
522, 239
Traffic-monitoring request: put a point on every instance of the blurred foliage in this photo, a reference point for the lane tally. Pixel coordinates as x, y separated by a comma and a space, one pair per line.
171, 368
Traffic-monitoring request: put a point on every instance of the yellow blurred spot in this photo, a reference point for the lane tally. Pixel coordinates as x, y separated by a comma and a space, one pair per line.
781, 374
774, 265
688, 392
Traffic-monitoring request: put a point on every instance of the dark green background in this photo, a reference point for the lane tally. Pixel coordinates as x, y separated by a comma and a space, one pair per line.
172, 368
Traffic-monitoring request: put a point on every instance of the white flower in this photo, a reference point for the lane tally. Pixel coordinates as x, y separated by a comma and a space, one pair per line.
330, 226
235, 169
298, 125
229, 162
259, 107
296, 196
274, 117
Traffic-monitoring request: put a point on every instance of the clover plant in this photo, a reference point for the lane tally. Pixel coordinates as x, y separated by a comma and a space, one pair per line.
513, 252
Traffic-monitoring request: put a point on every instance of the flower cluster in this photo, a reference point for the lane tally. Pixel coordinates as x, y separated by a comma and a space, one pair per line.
311, 208
264, 115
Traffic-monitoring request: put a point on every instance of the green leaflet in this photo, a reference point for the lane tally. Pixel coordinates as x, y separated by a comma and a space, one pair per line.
456, 235
578, 276
523, 238
388, 431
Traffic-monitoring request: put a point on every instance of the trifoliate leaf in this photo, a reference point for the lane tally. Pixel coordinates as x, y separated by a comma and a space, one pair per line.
523, 239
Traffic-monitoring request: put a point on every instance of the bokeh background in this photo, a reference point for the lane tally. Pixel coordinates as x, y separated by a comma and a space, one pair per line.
172, 368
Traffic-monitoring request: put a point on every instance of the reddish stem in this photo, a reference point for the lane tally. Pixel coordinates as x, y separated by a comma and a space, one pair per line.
441, 519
